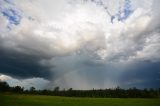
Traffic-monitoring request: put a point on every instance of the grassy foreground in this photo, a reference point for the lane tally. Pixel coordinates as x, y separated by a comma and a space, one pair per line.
36, 100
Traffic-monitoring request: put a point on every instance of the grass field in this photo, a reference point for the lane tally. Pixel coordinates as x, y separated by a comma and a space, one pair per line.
36, 100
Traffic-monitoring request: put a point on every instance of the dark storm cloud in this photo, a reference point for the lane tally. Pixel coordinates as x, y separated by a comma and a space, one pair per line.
21, 66
142, 74
76, 45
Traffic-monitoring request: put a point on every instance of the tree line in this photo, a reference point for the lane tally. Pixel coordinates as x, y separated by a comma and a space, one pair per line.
102, 93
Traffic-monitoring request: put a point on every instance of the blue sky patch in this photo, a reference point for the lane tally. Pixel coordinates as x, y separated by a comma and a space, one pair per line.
9, 1
12, 15
125, 13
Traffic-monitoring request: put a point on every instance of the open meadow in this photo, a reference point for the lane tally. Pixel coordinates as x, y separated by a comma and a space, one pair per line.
39, 100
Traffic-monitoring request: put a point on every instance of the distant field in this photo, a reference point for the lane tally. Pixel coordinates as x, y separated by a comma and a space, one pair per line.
36, 100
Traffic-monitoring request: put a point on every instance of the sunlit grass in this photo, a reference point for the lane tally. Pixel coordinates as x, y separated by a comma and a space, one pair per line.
37, 100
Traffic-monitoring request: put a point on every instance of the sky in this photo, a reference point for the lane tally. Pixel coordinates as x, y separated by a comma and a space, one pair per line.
80, 44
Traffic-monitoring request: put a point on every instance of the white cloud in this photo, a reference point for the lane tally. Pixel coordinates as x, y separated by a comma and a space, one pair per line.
38, 83
76, 26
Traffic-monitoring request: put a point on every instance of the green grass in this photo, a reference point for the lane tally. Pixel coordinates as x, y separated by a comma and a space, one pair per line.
36, 100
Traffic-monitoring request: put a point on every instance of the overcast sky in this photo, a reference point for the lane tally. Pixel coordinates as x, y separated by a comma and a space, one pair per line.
80, 44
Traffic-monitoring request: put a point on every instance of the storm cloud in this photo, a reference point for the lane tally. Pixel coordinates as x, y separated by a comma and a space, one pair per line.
82, 44
22, 66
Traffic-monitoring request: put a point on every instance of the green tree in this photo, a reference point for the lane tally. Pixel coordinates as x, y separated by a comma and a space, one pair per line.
56, 89
32, 89
4, 86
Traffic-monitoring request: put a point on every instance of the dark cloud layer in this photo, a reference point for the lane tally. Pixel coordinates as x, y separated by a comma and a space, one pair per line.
21, 66
144, 74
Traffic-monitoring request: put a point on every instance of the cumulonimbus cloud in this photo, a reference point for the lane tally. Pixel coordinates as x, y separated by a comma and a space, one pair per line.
78, 38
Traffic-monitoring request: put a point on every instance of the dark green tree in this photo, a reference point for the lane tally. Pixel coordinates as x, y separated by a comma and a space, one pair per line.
56, 89
32, 89
4, 86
